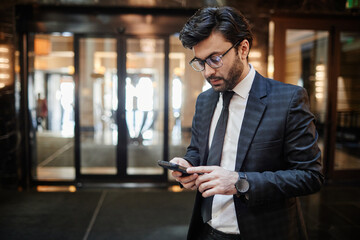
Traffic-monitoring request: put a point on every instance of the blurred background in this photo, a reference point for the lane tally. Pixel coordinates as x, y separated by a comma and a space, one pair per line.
94, 92
98, 91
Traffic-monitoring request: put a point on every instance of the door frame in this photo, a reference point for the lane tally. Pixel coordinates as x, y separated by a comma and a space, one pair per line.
333, 24
121, 148
97, 20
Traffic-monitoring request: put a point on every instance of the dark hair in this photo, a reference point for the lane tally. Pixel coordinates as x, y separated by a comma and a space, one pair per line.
226, 20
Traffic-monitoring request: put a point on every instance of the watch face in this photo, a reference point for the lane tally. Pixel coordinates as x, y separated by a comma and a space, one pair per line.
242, 185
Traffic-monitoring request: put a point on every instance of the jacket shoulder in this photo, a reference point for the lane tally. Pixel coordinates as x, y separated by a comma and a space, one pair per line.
274, 86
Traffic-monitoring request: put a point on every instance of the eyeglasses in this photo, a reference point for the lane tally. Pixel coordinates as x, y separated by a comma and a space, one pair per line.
214, 61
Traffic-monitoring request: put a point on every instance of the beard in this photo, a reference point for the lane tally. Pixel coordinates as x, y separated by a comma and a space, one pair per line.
232, 79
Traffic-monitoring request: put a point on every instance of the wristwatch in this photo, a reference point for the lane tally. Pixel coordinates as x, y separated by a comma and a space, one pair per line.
242, 185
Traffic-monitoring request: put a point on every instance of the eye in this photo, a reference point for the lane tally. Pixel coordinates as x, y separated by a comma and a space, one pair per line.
215, 59
198, 62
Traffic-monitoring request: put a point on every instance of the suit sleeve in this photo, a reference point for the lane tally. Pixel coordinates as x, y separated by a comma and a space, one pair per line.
302, 174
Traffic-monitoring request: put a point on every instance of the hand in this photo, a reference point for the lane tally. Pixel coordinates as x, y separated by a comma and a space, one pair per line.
215, 180
188, 182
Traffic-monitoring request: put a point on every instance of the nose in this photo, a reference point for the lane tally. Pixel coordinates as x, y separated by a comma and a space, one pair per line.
208, 71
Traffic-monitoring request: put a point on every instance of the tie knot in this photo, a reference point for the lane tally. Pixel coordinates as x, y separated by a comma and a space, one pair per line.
227, 95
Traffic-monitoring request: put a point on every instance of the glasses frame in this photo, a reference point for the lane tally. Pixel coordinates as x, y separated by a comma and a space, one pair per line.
208, 59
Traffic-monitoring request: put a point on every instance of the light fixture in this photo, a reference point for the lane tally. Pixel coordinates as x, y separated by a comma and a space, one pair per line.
6, 75
320, 76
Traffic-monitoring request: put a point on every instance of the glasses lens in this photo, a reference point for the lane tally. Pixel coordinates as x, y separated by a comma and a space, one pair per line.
198, 65
214, 61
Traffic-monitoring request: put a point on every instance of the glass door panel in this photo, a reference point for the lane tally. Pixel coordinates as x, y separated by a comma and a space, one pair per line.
347, 153
51, 103
98, 101
306, 64
144, 97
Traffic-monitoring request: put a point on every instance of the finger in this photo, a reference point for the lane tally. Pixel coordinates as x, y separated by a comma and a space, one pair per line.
204, 186
187, 179
190, 185
181, 162
202, 169
209, 193
189, 182
184, 180
203, 178
175, 160
176, 174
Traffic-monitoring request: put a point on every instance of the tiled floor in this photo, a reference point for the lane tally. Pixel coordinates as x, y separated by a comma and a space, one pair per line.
147, 213
334, 212
152, 213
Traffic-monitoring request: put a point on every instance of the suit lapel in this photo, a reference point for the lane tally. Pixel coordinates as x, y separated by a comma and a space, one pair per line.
254, 111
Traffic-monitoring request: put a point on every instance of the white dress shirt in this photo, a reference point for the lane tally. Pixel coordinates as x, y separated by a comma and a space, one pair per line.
223, 208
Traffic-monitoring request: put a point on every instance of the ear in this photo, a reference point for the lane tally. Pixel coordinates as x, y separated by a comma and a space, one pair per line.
243, 50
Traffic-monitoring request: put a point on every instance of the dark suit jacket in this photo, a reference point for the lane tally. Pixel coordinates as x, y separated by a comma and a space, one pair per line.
277, 149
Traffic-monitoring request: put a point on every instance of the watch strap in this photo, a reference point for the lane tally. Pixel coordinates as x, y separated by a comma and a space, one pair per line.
242, 175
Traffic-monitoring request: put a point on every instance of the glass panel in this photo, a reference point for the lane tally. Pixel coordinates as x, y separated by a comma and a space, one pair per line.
144, 105
98, 105
306, 65
184, 87
347, 154
51, 102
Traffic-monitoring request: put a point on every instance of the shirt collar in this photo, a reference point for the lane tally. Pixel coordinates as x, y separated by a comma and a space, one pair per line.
244, 86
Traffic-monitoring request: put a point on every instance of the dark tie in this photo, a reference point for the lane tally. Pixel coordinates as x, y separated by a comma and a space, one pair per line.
215, 151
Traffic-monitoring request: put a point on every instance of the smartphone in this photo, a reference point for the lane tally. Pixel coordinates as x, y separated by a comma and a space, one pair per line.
173, 166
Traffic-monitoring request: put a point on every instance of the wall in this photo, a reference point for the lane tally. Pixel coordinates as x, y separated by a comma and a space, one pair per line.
9, 134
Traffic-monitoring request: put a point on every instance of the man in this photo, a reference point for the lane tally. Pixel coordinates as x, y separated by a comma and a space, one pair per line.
269, 155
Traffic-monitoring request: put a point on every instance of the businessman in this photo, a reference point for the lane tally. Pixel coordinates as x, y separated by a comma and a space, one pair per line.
253, 147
